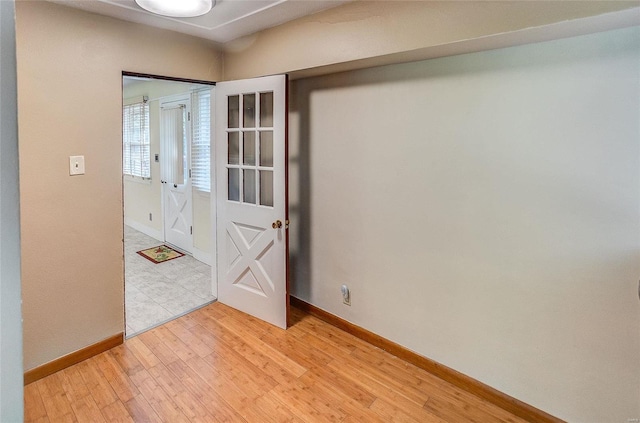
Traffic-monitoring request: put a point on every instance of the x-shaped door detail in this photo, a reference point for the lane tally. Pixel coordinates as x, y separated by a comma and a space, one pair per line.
248, 254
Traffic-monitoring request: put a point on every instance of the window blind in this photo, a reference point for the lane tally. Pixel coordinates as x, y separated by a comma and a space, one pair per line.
136, 154
201, 141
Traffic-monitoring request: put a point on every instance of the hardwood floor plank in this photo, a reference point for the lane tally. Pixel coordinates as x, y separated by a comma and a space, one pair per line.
450, 407
332, 334
161, 350
183, 333
126, 359
222, 385
323, 345
303, 354
178, 348
189, 405
392, 413
73, 384
242, 372
140, 410
262, 347
121, 384
369, 383
344, 386
269, 410
411, 391
337, 399
100, 388
86, 410
55, 400
216, 332
217, 364
302, 402
117, 412
34, 409
196, 384
160, 401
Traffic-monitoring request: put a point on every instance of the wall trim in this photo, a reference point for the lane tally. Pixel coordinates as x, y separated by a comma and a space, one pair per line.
462, 381
72, 358
202, 256
153, 233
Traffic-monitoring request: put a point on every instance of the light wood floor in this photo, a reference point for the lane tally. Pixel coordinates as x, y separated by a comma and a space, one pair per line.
219, 365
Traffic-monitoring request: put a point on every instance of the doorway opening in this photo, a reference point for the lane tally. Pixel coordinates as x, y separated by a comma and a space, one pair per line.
167, 199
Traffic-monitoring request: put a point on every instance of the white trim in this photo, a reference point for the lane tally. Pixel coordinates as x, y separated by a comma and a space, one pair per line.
213, 195
153, 233
202, 256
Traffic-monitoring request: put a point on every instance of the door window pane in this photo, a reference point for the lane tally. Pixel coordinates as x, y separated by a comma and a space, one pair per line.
233, 108
249, 186
234, 185
266, 188
266, 148
234, 148
249, 110
249, 148
266, 109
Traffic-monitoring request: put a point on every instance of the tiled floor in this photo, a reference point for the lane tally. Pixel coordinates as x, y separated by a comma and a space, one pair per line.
156, 293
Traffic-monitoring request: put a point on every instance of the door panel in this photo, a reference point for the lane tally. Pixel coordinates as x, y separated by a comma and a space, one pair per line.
251, 201
176, 183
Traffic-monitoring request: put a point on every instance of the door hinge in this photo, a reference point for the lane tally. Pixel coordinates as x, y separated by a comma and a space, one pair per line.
191, 229
189, 173
188, 115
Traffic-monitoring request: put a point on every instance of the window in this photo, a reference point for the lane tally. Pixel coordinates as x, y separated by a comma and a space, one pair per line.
136, 154
201, 141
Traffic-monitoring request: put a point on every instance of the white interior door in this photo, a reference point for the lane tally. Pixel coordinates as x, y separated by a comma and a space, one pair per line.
251, 197
175, 170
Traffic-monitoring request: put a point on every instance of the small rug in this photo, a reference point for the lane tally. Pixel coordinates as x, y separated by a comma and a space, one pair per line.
160, 254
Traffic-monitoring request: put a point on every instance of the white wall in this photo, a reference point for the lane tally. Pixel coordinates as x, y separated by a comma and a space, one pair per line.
11, 402
484, 210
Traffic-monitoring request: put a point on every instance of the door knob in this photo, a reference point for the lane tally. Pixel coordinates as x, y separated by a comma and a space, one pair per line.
276, 225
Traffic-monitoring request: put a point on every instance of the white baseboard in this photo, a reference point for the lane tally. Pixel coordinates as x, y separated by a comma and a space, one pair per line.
153, 233
202, 256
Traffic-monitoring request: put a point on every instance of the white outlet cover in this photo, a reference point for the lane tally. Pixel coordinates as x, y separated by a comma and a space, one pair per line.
76, 165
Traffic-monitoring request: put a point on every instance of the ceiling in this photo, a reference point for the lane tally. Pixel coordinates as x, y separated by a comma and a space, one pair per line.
228, 20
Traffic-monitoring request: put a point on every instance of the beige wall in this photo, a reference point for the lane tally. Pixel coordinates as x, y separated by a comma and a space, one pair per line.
69, 95
483, 209
368, 33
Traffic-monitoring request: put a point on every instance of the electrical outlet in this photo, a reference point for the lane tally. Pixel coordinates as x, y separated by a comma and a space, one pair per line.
346, 295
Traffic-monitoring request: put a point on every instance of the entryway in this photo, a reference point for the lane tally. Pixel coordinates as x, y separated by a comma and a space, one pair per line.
167, 199
241, 230
156, 293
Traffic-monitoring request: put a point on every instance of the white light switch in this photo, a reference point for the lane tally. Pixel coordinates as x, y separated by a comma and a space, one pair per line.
76, 165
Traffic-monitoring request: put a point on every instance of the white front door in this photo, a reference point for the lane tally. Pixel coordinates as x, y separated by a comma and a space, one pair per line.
250, 169
175, 170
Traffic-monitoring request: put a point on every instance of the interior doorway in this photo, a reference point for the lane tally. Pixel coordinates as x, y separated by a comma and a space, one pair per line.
167, 199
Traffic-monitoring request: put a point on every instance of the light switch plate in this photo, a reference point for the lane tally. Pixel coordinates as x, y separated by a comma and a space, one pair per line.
76, 165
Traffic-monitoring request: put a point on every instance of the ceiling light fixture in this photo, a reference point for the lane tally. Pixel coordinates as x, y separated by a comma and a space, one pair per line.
177, 8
